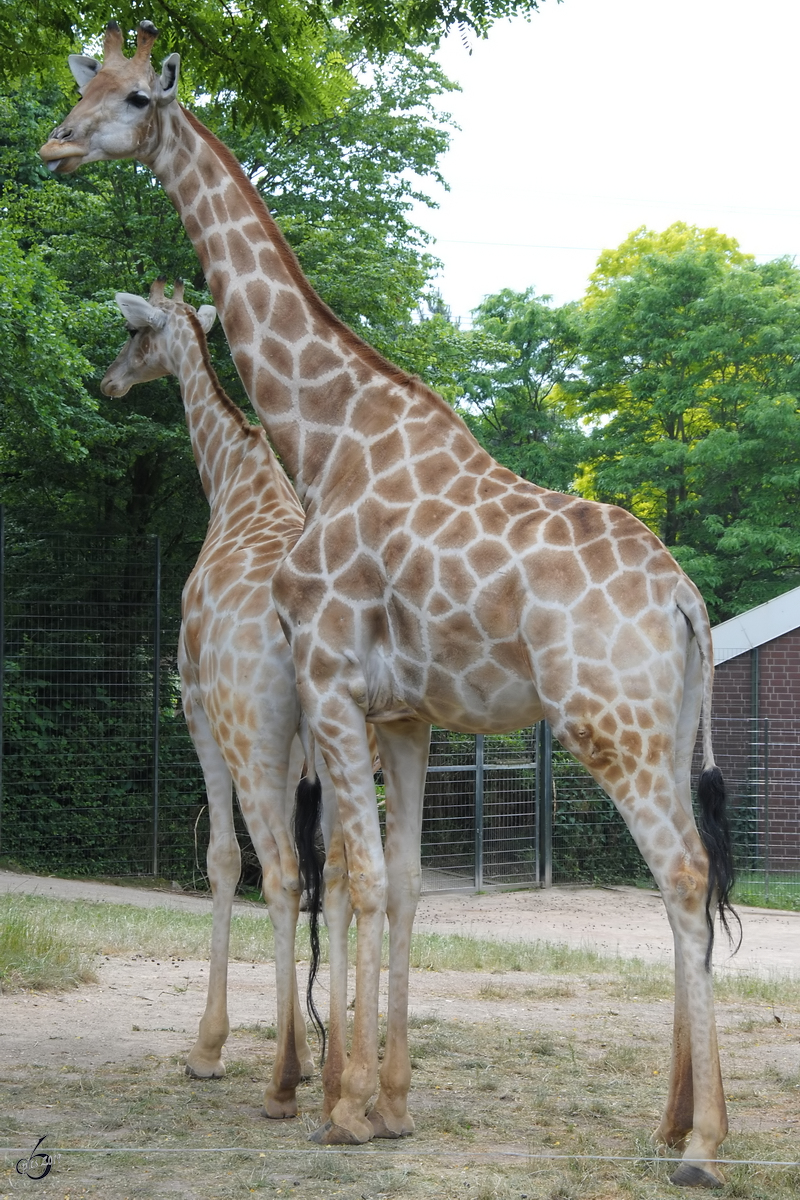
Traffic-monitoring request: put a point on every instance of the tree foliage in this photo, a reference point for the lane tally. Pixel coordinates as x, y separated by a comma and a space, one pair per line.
513, 395
691, 375
274, 60
343, 191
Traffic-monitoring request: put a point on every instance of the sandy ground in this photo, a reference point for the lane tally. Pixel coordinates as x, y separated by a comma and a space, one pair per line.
144, 1006
627, 921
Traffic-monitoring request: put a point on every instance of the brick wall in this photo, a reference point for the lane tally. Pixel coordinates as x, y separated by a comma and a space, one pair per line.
741, 753
779, 683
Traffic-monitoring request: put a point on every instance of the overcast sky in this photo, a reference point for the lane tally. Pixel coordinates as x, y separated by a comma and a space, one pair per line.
598, 116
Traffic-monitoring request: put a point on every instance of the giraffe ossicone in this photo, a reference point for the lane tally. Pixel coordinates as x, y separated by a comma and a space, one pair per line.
431, 584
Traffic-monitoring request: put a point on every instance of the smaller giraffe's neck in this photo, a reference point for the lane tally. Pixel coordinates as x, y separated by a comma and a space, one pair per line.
219, 430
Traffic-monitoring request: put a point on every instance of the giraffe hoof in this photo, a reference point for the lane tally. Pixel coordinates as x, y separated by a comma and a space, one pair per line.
331, 1134
279, 1110
690, 1175
391, 1127
205, 1070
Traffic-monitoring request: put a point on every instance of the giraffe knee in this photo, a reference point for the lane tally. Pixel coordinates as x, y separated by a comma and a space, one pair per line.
688, 883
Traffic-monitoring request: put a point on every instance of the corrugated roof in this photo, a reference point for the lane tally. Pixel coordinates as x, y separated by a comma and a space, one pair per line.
757, 626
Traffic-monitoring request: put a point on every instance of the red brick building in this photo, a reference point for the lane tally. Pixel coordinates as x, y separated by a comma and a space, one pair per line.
756, 726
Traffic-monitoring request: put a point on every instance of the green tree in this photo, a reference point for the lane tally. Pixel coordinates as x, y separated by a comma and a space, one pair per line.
276, 60
342, 190
47, 415
513, 393
691, 373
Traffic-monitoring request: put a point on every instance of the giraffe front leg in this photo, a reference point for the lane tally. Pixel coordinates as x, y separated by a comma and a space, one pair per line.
404, 759
204, 1060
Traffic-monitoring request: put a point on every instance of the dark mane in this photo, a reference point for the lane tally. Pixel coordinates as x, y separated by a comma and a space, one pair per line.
351, 339
229, 405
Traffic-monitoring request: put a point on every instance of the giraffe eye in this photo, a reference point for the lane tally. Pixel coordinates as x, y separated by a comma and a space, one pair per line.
138, 99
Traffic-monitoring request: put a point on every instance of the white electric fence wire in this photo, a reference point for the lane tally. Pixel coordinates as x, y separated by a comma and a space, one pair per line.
394, 1154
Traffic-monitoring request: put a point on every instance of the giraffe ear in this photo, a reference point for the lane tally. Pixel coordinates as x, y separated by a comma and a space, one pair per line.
167, 89
139, 313
206, 315
83, 68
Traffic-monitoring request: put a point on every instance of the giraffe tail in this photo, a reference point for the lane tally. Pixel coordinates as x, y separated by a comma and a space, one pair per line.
307, 812
713, 825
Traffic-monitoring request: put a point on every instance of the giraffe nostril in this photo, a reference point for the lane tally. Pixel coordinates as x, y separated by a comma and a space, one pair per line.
61, 133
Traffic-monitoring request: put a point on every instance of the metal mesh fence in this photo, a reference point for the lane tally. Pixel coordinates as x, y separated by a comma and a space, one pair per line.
590, 840
99, 775
79, 704
760, 760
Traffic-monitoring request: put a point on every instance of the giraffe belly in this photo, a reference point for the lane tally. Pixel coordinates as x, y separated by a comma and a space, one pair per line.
514, 709
439, 697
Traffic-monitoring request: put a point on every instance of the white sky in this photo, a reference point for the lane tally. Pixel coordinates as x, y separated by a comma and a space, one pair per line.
599, 116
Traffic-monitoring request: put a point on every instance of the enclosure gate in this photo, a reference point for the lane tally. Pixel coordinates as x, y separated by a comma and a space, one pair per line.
99, 775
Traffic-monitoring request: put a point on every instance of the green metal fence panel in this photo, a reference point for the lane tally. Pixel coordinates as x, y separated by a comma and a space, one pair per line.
98, 774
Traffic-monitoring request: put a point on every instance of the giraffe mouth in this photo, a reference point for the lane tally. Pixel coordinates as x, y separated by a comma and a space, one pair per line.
62, 157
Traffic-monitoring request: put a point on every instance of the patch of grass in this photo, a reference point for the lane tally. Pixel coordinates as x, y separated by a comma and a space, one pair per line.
32, 954
755, 889
50, 943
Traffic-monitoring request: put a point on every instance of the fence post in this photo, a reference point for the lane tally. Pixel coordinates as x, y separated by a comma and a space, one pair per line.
544, 804
156, 694
2, 649
479, 812
766, 808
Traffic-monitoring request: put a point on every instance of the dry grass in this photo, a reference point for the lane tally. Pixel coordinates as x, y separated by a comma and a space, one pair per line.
580, 1071
80, 930
490, 1101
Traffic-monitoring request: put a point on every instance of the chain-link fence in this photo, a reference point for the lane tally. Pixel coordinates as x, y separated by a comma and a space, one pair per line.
99, 775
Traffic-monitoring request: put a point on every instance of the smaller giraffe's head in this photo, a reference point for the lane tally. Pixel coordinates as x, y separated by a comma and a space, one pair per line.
118, 115
160, 331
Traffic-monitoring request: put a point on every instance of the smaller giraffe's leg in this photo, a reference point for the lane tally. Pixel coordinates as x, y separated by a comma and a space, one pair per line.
341, 735
284, 905
304, 1054
338, 915
404, 758
266, 795
224, 865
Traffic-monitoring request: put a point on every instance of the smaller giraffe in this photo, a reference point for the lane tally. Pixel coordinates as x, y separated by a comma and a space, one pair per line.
237, 677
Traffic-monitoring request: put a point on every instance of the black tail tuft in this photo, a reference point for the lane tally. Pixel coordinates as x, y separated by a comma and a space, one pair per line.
716, 837
307, 811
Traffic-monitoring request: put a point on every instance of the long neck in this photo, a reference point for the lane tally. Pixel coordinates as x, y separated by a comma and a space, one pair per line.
302, 368
219, 430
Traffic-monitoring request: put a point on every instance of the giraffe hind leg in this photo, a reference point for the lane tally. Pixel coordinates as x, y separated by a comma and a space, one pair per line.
666, 834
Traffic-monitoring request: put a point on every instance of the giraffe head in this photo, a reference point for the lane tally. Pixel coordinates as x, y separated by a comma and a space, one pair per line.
159, 329
118, 114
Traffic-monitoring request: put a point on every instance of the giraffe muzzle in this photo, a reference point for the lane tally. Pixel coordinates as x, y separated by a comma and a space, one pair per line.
58, 152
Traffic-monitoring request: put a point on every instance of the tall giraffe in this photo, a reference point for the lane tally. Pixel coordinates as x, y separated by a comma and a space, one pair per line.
237, 677
431, 584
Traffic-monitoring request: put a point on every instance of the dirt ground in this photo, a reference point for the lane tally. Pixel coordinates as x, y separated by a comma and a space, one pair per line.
145, 1006
143, 1015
